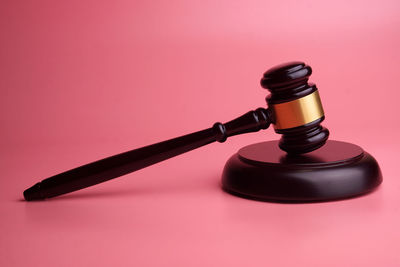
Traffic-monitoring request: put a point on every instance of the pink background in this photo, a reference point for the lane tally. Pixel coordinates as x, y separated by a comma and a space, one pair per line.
81, 80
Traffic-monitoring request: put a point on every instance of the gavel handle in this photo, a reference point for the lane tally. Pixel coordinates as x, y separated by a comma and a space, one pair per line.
127, 162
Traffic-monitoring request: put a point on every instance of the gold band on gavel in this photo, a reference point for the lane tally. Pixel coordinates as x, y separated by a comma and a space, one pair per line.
298, 112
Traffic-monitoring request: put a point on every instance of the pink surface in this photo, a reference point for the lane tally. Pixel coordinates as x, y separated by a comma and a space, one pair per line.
81, 80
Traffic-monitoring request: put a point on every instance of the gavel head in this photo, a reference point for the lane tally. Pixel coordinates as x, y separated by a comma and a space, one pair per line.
295, 107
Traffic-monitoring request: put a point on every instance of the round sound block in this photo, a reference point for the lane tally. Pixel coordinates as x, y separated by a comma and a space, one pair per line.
335, 171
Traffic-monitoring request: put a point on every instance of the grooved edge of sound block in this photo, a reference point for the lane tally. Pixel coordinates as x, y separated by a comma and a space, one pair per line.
338, 170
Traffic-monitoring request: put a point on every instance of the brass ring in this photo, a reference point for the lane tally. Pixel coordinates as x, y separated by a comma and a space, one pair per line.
297, 112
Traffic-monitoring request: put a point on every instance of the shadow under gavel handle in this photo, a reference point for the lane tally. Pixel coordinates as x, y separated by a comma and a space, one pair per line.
127, 162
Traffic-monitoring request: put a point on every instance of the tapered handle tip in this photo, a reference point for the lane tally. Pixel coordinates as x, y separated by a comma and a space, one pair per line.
33, 193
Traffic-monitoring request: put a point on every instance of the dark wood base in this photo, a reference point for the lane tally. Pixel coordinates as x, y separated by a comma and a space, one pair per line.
335, 171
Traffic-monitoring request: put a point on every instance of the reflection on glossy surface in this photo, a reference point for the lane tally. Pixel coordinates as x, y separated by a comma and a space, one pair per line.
331, 152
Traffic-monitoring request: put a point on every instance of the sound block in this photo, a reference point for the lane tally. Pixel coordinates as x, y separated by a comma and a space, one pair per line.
335, 171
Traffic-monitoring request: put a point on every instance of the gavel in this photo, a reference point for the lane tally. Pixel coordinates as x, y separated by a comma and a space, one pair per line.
294, 108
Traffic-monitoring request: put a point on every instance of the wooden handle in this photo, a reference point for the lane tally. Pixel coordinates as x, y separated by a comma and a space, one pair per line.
124, 163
